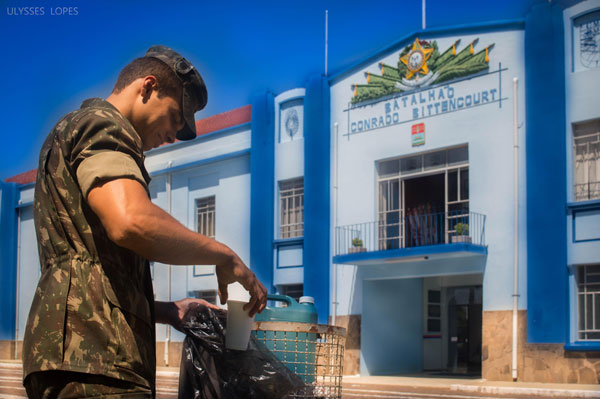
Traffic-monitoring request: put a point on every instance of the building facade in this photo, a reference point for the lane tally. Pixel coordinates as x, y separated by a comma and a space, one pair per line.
440, 199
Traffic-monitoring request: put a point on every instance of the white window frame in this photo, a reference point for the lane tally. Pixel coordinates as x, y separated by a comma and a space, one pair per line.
291, 208
205, 219
445, 168
590, 298
429, 317
293, 290
296, 106
586, 161
209, 296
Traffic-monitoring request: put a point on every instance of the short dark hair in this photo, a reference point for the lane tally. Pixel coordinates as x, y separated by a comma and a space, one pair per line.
168, 83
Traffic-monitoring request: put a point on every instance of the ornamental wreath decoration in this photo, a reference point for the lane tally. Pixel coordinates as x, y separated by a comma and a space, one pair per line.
420, 64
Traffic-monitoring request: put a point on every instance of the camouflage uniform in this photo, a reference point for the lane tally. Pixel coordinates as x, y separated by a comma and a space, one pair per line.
93, 310
58, 384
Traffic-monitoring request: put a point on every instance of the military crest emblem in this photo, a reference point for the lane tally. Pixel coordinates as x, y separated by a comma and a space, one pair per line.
421, 64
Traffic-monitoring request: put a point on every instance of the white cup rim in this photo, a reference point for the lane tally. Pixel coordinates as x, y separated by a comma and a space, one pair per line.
236, 300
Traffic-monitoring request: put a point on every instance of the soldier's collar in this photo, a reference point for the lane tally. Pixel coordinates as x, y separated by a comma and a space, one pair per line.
102, 103
98, 102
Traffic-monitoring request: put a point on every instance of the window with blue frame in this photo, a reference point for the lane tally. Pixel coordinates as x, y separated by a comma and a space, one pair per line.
588, 302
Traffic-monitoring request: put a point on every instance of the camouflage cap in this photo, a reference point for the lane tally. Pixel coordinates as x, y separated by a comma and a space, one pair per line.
194, 96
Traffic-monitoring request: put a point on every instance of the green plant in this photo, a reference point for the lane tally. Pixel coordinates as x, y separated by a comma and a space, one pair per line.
462, 229
357, 242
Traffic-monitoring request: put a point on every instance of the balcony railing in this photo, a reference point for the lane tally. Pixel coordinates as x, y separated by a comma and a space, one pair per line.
415, 230
587, 191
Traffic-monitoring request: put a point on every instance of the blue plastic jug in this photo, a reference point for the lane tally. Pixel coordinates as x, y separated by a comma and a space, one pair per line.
303, 312
297, 353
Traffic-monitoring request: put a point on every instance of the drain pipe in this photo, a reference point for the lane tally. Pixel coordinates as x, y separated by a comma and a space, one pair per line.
168, 338
335, 199
18, 282
516, 231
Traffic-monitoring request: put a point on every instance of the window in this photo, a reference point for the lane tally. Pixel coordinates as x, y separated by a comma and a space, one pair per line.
209, 296
291, 120
291, 205
586, 46
293, 290
586, 158
423, 199
417, 164
205, 225
391, 224
458, 198
434, 311
588, 302
205, 216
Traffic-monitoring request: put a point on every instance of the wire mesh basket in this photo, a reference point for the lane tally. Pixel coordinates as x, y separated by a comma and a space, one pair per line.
314, 352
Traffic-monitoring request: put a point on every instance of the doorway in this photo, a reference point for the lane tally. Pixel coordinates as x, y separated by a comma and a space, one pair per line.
424, 201
464, 330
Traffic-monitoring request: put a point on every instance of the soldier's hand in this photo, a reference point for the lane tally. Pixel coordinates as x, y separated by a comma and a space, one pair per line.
181, 307
235, 270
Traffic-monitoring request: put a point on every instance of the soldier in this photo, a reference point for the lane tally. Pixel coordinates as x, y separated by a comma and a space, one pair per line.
90, 330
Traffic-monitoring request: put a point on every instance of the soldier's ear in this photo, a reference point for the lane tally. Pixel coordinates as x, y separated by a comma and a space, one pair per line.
148, 85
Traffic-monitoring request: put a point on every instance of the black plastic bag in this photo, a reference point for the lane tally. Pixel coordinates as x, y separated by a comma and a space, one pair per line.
211, 371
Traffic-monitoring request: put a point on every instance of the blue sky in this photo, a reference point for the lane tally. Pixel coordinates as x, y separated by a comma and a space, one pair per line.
51, 63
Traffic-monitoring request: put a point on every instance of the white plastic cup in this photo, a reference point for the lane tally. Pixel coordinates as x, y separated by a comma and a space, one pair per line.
239, 326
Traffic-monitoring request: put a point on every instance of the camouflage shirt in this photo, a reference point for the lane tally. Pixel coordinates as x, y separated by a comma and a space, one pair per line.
93, 309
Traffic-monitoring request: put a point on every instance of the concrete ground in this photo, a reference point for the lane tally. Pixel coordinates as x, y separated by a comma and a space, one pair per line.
459, 387
388, 387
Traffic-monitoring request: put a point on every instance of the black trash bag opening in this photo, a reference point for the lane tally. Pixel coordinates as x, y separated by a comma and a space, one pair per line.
211, 371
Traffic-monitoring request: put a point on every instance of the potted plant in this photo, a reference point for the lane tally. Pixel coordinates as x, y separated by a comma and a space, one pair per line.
461, 233
357, 246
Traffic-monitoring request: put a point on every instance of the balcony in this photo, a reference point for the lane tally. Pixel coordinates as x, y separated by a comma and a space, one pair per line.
414, 237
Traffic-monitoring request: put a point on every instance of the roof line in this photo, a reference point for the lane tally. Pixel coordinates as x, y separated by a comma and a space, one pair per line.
492, 26
204, 136
209, 126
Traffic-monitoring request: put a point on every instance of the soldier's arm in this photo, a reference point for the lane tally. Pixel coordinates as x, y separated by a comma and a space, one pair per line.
132, 221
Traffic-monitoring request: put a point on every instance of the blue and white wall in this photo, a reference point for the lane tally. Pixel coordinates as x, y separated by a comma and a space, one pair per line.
288, 265
28, 262
9, 194
277, 156
337, 154
215, 164
487, 129
582, 96
20, 269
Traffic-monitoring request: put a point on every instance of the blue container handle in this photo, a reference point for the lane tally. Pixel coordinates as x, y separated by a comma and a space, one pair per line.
281, 298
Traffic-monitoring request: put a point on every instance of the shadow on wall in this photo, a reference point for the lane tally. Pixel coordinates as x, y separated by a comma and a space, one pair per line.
391, 328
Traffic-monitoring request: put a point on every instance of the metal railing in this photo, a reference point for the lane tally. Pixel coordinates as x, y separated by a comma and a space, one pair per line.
587, 191
413, 230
